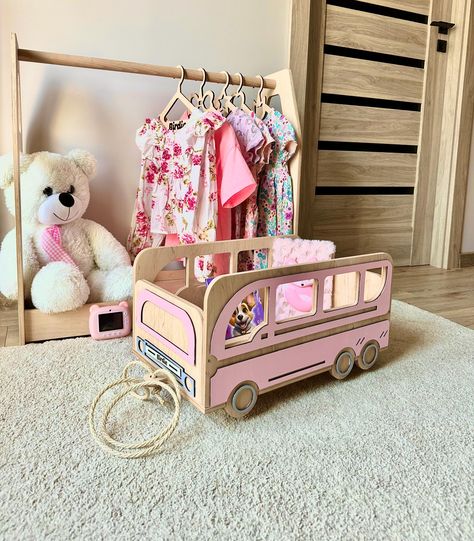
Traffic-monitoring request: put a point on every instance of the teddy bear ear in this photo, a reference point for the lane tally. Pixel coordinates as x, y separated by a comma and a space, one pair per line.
6, 168
85, 160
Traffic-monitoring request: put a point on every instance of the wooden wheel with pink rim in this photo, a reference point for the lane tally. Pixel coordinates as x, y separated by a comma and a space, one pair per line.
369, 355
242, 399
343, 364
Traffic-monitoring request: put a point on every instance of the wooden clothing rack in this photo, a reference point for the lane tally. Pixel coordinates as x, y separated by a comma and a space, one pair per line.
36, 326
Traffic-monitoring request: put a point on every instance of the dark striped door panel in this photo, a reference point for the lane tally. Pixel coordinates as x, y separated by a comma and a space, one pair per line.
371, 102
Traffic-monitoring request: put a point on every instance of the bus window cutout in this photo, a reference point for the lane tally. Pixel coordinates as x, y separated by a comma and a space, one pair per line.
374, 283
295, 300
248, 316
260, 259
344, 289
245, 261
221, 263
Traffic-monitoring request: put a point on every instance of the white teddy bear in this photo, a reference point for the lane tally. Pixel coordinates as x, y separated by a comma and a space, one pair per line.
67, 260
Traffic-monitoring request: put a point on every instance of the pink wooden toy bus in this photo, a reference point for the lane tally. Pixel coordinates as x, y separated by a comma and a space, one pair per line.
183, 325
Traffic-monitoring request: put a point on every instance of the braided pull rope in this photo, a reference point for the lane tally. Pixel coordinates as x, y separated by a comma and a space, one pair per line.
142, 388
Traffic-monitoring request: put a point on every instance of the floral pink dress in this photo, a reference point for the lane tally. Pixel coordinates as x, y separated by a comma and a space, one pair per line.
177, 190
275, 195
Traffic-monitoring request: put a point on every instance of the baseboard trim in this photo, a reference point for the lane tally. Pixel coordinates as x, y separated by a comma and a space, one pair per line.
467, 259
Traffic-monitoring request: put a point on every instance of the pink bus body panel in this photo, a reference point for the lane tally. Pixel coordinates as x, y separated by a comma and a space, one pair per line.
188, 356
377, 307
295, 361
286, 364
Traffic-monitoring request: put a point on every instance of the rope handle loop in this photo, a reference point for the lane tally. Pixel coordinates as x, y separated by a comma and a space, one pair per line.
142, 388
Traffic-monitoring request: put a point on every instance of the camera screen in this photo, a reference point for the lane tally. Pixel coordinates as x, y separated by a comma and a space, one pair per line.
110, 321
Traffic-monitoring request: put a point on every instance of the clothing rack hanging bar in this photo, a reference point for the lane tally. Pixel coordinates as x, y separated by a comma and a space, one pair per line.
41, 57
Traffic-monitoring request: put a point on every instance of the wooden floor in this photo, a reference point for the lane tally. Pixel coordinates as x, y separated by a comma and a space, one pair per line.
447, 293
8, 327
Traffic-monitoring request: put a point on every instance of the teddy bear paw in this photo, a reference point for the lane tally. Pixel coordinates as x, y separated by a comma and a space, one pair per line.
59, 287
110, 286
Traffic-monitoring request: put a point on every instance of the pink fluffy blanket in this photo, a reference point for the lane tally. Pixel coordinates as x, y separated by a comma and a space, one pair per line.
297, 252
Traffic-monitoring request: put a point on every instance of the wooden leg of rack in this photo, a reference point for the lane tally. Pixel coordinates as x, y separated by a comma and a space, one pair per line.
17, 143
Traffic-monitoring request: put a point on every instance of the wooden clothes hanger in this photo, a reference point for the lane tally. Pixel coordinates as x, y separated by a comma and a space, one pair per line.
178, 96
230, 105
202, 96
220, 101
261, 106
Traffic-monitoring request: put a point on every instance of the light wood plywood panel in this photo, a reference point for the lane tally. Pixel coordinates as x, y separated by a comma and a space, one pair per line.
40, 326
359, 214
369, 32
357, 77
344, 168
349, 123
415, 6
156, 317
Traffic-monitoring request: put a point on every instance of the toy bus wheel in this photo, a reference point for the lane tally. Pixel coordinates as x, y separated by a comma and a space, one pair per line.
343, 364
368, 355
242, 400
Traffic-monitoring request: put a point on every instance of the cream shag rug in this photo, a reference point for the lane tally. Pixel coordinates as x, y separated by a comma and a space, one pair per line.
385, 454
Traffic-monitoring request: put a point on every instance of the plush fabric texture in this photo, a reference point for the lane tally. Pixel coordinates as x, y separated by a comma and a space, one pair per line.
287, 251
67, 279
62, 252
383, 455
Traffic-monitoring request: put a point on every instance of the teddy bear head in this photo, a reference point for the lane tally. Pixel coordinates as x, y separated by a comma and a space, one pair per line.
54, 188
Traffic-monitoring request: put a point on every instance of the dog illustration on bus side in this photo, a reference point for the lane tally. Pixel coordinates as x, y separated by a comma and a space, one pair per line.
310, 318
242, 319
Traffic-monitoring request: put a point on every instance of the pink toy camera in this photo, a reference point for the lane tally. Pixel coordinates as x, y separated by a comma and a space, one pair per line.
109, 321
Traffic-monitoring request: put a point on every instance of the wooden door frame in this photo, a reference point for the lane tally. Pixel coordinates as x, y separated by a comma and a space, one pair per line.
306, 64
456, 133
438, 215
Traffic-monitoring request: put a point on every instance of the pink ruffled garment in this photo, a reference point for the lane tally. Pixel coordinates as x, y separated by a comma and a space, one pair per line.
250, 138
177, 191
264, 152
235, 183
297, 252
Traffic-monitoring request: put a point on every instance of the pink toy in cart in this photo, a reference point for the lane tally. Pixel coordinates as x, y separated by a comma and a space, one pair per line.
300, 295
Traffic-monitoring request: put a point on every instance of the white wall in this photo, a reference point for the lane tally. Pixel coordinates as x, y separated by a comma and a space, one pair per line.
468, 232
100, 111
